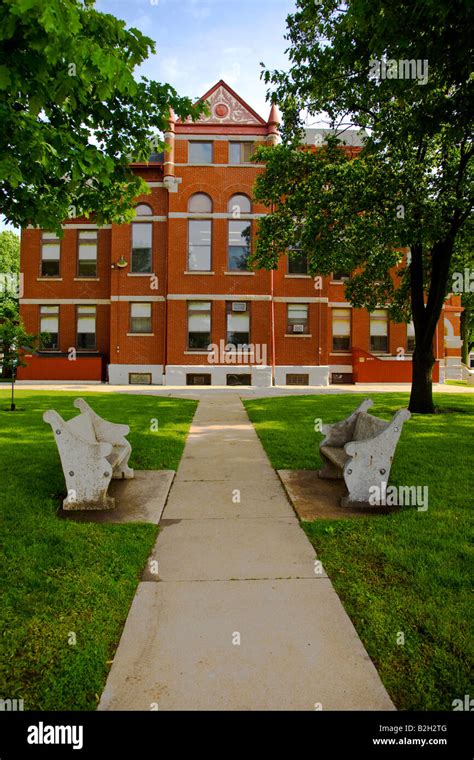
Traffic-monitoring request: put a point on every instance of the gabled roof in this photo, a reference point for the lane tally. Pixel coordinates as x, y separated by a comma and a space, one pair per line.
228, 108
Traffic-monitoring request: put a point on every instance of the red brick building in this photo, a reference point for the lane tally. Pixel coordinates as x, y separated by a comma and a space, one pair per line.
143, 302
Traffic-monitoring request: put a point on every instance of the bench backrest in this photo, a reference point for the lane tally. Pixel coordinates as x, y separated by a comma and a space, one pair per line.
367, 427
83, 427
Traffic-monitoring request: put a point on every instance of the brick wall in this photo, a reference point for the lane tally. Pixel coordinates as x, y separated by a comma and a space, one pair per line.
118, 287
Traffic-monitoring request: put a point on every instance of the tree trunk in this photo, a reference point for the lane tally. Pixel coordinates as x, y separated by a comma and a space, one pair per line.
425, 318
421, 397
12, 404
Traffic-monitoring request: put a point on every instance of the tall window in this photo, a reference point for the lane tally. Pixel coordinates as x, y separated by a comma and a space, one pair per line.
199, 152
238, 323
298, 322
199, 325
86, 332
410, 337
341, 329
297, 261
240, 152
238, 245
199, 245
87, 253
50, 254
199, 234
239, 233
49, 324
140, 318
379, 331
142, 247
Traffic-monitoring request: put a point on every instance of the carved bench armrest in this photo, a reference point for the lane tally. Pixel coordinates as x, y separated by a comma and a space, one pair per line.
110, 431
392, 431
61, 432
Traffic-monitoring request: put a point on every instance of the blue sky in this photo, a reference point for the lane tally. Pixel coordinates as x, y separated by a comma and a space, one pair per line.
199, 42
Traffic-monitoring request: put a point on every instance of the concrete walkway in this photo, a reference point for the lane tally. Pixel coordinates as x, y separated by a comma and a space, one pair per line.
233, 612
244, 391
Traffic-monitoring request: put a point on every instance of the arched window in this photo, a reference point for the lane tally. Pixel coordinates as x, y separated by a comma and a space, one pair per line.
200, 203
239, 204
143, 209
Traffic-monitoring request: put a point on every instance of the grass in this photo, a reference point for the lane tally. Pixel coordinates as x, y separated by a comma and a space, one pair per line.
406, 573
64, 581
455, 382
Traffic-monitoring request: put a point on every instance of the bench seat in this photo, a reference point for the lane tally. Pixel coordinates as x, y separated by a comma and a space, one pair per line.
336, 455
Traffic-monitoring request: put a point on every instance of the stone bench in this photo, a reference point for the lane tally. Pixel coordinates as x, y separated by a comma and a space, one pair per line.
92, 452
360, 450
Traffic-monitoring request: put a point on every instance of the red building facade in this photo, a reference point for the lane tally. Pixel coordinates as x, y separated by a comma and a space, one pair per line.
168, 299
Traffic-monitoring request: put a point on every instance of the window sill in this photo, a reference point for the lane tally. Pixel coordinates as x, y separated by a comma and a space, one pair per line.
86, 279
298, 335
340, 353
239, 273
338, 282
139, 334
49, 279
298, 276
141, 274
198, 352
198, 271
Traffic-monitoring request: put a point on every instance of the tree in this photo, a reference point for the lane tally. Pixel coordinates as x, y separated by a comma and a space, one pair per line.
9, 274
400, 72
9, 252
462, 277
72, 113
14, 342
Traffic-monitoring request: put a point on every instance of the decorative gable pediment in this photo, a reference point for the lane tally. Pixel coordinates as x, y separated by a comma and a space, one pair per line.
226, 107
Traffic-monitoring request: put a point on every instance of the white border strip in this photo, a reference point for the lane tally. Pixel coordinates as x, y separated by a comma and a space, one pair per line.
145, 299
60, 301
76, 226
221, 138
211, 215
299, 299
214, 297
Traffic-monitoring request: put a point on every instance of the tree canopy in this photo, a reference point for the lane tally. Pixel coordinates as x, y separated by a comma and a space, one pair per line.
401, 73
72, 113
9, 274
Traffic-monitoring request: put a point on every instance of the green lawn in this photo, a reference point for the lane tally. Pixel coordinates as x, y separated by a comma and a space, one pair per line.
409, 572
59, 577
